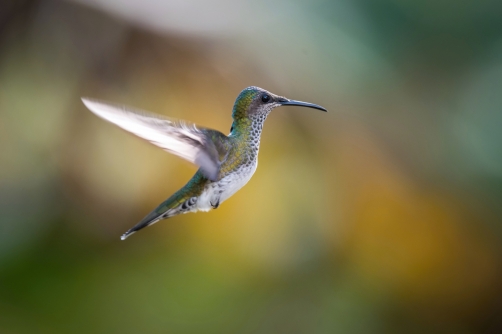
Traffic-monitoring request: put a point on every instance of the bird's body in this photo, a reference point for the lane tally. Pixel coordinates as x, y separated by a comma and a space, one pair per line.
226, 163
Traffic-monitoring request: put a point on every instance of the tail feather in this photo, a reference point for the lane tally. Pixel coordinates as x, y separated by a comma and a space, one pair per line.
174, 205
161, 212
142, 224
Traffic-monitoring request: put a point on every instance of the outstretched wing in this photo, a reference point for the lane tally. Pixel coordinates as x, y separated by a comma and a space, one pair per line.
202, 147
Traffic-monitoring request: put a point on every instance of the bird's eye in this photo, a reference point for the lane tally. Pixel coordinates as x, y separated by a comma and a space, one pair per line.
265, 98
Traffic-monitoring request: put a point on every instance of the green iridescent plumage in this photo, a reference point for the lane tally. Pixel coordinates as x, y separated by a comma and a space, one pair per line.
242, 122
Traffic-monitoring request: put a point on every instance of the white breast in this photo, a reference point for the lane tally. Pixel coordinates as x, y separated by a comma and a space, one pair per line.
226, 187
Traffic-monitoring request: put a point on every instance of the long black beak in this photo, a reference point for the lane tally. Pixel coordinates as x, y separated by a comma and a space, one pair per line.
286, 102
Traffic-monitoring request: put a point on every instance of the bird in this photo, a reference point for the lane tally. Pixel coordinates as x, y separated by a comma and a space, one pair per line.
226, 163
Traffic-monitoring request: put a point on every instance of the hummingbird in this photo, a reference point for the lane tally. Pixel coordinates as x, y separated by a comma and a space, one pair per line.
226, 163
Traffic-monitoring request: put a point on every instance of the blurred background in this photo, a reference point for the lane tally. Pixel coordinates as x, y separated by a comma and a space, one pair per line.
382, 216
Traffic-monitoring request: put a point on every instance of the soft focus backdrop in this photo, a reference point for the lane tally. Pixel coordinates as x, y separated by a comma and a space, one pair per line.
382, 216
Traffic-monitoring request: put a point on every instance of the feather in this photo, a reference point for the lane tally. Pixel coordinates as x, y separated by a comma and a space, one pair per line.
180, 138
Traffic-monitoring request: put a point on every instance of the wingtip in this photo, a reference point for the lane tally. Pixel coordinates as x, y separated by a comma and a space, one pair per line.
87, 101
97, 107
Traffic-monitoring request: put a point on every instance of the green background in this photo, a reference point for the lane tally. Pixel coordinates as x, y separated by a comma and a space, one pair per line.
382, 216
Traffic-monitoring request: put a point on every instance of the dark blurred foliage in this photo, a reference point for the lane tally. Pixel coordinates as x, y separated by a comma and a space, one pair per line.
382, 216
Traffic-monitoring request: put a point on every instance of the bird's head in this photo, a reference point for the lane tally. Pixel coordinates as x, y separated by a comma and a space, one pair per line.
257, 102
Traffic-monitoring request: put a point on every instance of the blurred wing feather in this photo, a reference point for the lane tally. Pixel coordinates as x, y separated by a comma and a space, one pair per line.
182, 139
